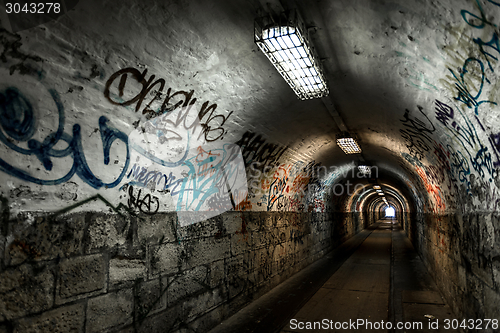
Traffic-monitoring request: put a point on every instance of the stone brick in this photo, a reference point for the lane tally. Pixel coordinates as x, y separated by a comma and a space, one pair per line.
205, 250
202, 303
260, 238
157, 228
61, 320
207, 321
47, 239
112, 310
81, 276
190, 282
496, 274
164, 258
482, 270
239, 244
491, 303
106, 231
125, 270
250, 262
216, 273
127, 329
150, 298
26, 289
233, 222
161, 322
212, 227
236, 276
280, 219
253, 220
268, 221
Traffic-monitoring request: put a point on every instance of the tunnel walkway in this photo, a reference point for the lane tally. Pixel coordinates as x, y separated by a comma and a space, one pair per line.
375, 276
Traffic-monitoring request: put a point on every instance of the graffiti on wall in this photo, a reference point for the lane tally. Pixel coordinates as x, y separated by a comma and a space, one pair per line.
175, 106
146, 203
417, 133
466, 159
18, 121
480, 21
258, 152
178, 150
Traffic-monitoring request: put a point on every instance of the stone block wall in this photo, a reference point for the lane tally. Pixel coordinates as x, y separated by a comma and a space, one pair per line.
100, 272
462, 252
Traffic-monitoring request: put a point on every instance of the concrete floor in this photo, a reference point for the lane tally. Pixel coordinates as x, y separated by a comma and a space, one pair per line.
375, 276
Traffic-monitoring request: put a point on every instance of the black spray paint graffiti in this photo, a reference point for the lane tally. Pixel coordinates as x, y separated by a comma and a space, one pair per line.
447, 116
297, 236
467, 136
14, 56
449, 162
4, 216
256, 150
276, 191
143, 177
417, 134
495, 143
148, 204
211, 124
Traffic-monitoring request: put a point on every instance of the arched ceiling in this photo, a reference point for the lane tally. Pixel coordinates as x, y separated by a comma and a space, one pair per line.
416, 81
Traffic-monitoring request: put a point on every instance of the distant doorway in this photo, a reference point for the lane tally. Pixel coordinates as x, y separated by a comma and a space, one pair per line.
390, 212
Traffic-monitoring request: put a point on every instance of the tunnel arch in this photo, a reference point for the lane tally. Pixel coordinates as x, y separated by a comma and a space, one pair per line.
158, 143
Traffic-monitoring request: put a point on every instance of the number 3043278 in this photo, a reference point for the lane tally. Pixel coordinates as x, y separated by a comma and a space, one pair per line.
33, 8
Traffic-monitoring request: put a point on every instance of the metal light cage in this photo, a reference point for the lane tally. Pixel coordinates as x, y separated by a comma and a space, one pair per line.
348, 143
285, 42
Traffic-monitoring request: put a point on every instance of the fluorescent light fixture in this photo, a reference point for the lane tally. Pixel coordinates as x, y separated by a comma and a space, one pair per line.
286, 44
365, 169
380, 193
349, 145
376, 187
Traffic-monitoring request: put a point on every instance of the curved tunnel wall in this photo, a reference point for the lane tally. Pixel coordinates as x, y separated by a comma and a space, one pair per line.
144, 147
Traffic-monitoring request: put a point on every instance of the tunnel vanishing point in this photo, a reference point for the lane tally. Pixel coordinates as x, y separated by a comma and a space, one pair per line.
159, 174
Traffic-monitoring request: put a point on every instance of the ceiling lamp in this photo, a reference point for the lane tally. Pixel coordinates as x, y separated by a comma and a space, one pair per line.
285, 42
380, 193
348, 144
365, 170
376, 187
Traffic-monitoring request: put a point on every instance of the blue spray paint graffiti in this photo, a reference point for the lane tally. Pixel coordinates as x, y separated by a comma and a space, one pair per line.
483, 22
464, 93
479, 21
211, 172
18, 121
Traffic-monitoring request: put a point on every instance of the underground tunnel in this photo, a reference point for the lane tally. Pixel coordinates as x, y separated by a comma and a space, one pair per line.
249, 166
